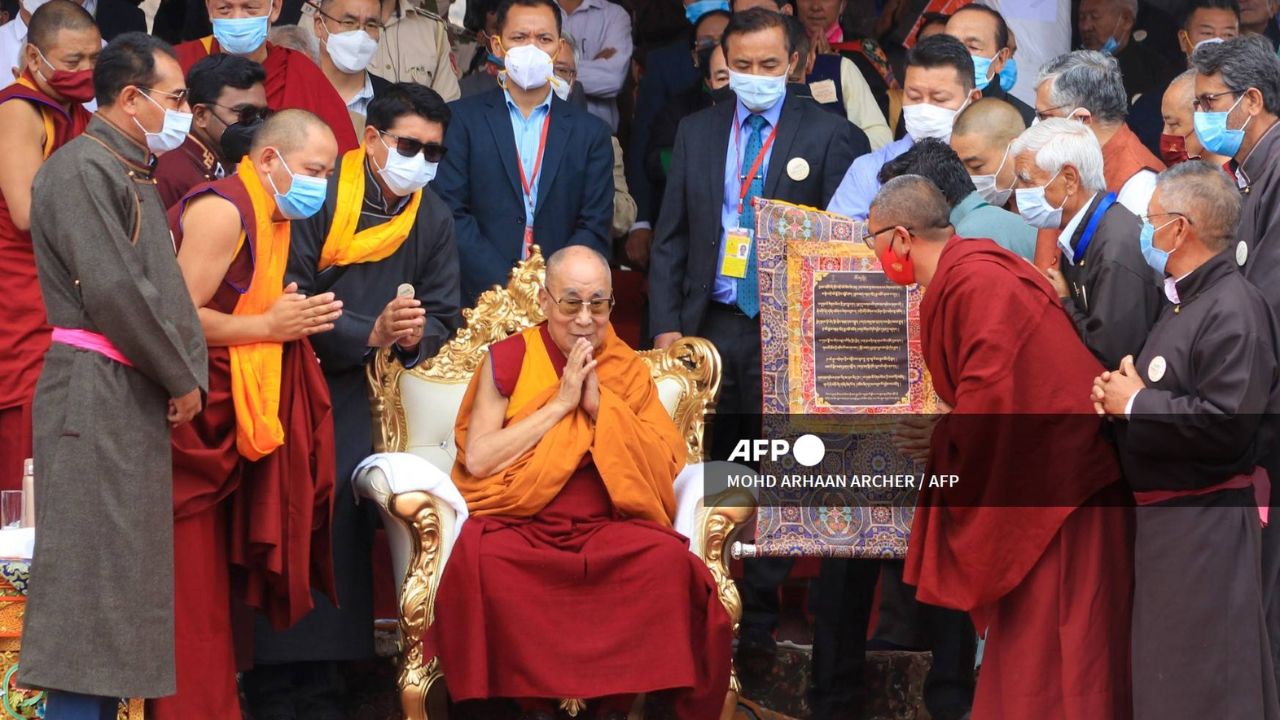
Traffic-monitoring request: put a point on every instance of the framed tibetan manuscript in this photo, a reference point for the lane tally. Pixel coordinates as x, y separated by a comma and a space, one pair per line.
841, 366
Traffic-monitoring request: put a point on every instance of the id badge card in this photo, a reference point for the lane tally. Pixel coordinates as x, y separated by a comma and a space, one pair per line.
737, 251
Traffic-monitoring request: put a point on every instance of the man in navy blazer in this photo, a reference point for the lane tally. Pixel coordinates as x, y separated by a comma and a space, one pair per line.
496, 150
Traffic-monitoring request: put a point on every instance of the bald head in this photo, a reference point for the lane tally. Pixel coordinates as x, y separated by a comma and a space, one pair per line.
291, 130
577, 262
1206, 196
913, 202
996, 121
55, 16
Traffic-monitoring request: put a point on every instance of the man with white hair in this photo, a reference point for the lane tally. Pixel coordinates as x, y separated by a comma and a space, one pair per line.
1107, 26
1104, 284
1086, 86
1178, 139
1213, 353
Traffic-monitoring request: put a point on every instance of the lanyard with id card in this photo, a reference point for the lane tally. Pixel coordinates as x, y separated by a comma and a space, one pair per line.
526, 184
738, 240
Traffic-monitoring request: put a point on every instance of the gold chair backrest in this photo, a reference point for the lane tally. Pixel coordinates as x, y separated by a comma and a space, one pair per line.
687, 373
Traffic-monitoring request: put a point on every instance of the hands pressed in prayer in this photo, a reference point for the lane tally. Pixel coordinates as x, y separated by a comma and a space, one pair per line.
1058, 282
1113, 388
591, 395
295, 315
182, 409
580, 366
912, 434
401, 322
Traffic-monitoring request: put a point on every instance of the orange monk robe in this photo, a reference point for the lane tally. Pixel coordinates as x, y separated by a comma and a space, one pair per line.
567, 581
24, 334
293, 81
252, 532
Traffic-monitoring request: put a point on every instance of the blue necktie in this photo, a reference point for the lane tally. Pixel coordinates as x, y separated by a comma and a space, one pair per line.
749, 286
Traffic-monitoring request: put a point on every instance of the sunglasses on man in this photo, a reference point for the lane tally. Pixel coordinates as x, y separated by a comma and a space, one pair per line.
408, 147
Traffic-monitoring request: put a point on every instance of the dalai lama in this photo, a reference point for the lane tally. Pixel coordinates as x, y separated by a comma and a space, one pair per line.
568, 581
293, 81
1035, 540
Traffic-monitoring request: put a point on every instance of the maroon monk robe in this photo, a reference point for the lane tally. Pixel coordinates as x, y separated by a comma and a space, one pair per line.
268, 545
577, 601
1035, 541
293, 81
24, 334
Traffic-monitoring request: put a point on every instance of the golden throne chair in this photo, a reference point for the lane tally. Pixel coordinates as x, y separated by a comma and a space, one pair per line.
414, 412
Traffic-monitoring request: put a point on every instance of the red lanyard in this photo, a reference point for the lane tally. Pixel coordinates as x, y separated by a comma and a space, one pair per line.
755, 166
527, 182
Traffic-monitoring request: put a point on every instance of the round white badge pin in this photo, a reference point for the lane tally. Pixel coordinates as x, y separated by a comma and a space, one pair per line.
1155, 371
1242, 253
798, 169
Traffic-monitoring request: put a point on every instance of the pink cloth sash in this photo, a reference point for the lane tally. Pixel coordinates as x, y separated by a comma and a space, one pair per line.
91, 341
1259, 480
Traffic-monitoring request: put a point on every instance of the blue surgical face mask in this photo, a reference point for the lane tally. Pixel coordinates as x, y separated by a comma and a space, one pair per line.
1035, 208
305, 196
1009, 75
1111, 45
241, 36
1215, 136
1154, 256
758, 92
695, 10
982, 71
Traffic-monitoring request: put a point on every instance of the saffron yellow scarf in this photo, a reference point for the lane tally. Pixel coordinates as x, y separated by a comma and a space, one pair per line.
345, 246
255, 367
46, 115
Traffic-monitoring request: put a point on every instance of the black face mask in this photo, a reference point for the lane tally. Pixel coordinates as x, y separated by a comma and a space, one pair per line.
722, 95
236, 141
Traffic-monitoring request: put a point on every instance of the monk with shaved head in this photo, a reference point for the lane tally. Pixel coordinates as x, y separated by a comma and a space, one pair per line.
1032, 464
568, 562
40, 112
267, 422
981, 137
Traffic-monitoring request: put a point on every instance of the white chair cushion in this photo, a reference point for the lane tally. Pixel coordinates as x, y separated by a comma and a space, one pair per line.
430, 409
670, 393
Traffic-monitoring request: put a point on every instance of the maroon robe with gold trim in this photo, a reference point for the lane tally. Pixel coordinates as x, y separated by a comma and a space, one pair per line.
1036, 539
24, 334
578, 601
267, 545
293, 81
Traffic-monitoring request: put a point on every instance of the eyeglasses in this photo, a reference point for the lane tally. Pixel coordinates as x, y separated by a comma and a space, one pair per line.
869, 238
572, 306
1044, 114
565, 73
408, 147
1147, 218
245, 114
179, 96
373, 27
1205, 101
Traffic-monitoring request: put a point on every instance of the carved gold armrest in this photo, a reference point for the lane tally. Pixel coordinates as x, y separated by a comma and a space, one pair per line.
720, 520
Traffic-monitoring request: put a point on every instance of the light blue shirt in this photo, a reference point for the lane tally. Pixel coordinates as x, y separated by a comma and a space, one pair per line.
726, 288
528, 132
860, 184
975, 218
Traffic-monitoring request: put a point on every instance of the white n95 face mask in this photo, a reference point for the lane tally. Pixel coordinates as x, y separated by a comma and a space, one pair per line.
528, 66
405, 175
986, 185
925, 120
351, 52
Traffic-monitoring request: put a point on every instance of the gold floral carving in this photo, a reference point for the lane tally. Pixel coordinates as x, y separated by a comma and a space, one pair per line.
417, 600
573, 706
500, 312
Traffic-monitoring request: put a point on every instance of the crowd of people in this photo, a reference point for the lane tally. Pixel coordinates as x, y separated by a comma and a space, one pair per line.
208, 232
